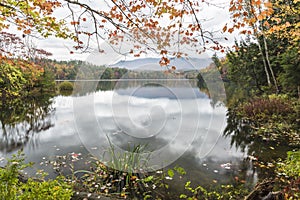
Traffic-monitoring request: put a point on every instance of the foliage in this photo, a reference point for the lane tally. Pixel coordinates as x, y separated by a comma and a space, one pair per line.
289, 175
291, 166
262, 109
285, 21
21, 70
273, 24
66, 85
249, 14
53, 189
274, 118
226, 192
245, 67
12, 188
138, 22
11, 80
32, 15
290, 76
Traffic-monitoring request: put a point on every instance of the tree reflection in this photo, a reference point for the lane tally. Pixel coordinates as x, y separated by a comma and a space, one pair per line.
262, 152
22, 118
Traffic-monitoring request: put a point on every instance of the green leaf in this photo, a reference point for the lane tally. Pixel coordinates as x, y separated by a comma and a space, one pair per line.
148, 179
180, 170
171, 173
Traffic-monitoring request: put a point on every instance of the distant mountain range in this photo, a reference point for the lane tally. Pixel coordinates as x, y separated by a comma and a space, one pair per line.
152, 64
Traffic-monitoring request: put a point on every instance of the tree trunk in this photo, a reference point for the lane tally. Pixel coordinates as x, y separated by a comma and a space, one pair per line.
269, 64
249, 8
264, 62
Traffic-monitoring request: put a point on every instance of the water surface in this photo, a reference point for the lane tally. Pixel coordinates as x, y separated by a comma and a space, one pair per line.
179, 125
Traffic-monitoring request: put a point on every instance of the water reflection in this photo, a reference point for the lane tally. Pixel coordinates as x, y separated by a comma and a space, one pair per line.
169, 116
262, 153
174, 121
22, 119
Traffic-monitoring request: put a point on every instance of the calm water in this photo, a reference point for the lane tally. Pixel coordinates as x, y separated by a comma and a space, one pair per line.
177, 123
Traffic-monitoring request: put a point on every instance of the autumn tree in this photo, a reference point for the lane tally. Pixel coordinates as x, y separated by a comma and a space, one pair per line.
250, 17
19, 67
32, 16
285, 21
263, 21
168, 28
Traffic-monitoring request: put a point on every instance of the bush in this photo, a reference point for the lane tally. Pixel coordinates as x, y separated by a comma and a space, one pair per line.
266, 107
291, 166
12, 188
289, 175
65, 86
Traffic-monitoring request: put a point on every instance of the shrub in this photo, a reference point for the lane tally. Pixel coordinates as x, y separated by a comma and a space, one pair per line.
266, 107
65, 86
12, 188
289, 175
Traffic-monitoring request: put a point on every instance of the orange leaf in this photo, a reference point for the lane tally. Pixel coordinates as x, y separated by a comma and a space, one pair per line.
225, 28
27, 31
258, 2
163, 52
268, 4
236, 15
232, 8
243, 32
266, 23
74, 23
230, 30
260, 17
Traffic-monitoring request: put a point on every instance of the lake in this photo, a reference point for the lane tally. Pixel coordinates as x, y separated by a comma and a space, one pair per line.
175, 122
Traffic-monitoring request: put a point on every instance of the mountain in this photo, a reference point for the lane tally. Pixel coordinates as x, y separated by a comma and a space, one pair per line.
152, 64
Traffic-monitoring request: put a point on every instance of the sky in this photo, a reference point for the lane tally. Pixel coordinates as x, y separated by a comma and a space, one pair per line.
215, 19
